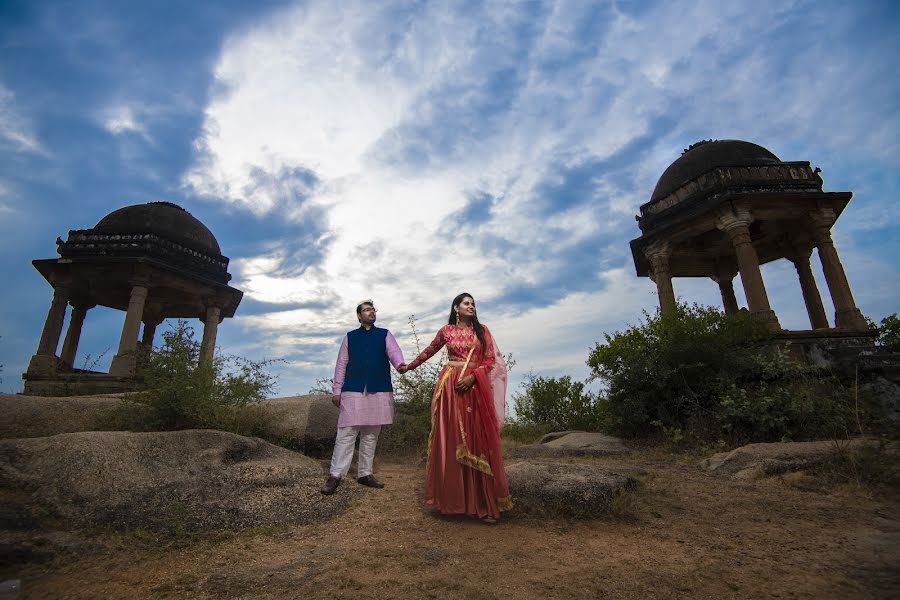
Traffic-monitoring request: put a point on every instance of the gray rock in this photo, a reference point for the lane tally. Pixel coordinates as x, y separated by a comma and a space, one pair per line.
305, 423
11, 589
578, 443
555, 435
191, 480
759, 460
38, 416
575, 490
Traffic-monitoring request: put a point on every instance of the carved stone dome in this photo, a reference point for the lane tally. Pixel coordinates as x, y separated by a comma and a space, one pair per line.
165, 219
703, 156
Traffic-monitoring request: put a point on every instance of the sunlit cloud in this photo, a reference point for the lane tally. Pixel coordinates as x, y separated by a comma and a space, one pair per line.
453, 150
15, 128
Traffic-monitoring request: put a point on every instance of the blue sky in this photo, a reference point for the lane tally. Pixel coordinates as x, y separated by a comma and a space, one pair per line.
407, 151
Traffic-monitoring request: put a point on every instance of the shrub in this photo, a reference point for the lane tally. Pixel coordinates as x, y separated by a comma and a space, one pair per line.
700, 375
889, 333
520, 432
558, 404
179, 391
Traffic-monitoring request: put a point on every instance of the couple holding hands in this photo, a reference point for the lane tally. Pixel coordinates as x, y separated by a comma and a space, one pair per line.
465, 473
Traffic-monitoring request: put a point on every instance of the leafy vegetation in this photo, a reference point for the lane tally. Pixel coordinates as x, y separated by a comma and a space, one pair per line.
180, 391
889, 333
701, 375
558, 404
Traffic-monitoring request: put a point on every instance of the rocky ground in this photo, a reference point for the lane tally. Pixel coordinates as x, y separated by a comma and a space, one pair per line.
683, 533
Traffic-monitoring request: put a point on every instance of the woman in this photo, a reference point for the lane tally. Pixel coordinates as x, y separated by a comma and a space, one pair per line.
465, 472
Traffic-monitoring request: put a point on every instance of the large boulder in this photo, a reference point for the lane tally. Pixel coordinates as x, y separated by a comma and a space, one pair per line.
38, 416
305, 423
574, 443
760, 460
574, 490
192, 480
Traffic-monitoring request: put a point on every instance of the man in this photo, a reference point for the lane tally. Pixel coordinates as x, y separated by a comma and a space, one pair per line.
363, 393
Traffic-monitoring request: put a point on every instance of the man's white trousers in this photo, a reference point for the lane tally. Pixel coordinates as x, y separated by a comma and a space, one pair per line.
343, 450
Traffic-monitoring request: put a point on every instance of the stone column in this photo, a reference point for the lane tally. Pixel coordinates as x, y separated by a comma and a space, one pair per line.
736, 223
123, 362
73, 334
210, 327
726, 288
44, 361
658, 254
846, 315
811, 296
150, 325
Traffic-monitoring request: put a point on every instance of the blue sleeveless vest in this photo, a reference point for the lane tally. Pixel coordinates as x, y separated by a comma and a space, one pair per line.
368, 368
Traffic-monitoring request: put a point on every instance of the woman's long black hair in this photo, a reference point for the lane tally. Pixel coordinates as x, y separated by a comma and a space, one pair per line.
479, 330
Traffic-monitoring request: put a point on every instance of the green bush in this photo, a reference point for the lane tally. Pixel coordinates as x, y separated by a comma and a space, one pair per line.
558, 404
525, 433
889, 333
700, 375
179, 391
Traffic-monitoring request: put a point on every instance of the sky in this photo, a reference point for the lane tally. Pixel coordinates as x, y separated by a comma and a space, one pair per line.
409, 151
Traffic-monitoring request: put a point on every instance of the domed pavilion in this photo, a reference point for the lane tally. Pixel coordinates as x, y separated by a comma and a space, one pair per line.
724, 208
153, 261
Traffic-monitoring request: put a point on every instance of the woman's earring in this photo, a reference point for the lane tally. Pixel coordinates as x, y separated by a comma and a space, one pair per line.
457, 316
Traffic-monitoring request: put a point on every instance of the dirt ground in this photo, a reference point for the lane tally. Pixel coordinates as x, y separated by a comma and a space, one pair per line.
685, 534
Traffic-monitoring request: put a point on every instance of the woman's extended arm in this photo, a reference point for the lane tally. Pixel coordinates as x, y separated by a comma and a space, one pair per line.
430, 350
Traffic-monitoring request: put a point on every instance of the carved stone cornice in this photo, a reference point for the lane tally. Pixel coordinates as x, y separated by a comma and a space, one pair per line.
86, 243
788, 176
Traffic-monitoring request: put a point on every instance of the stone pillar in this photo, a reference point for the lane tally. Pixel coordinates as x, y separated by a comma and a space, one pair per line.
846, 315
726, 288
73, 334
210, 327
658, 254
736, 223
123, 362
44, 361
811, 296
150, 325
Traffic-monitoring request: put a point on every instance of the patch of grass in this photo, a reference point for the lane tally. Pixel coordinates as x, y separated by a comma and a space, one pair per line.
874, 468
523, 433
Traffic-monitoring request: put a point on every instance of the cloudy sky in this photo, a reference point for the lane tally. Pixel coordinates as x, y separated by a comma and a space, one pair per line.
407, 151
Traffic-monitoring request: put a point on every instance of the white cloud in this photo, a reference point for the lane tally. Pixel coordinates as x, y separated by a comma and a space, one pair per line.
386, 121
121, 118
15, 128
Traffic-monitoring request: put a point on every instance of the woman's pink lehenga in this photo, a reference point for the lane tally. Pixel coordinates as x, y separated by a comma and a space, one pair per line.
465, 472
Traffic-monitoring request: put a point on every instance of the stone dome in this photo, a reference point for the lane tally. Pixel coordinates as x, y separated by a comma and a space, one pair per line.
164, 219
706, 155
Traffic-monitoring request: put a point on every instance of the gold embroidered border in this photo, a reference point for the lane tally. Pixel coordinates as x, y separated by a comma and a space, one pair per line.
504, 504
434, 406
479, 463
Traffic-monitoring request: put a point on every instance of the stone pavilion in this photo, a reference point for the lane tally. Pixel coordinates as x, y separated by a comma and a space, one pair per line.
153, 261
724, 208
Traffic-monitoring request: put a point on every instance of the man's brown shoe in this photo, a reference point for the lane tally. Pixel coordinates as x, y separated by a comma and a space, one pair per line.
330, 485
370, 481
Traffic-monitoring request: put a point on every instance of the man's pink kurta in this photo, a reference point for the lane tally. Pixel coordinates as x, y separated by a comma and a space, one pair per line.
363, 408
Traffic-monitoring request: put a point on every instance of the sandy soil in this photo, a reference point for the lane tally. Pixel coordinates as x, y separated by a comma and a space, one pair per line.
686, 534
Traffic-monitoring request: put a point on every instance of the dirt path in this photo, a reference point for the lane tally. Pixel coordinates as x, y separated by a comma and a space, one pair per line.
687, 535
